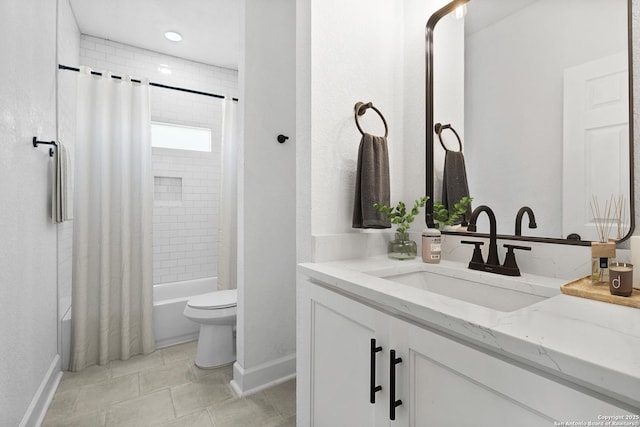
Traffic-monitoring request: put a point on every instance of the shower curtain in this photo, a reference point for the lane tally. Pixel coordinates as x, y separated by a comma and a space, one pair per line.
112, 296
227, 236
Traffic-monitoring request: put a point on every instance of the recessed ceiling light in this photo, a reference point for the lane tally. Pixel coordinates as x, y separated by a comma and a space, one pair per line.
164, 69
173, 36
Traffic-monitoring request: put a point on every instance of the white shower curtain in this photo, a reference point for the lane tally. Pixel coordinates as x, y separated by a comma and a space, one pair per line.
227, 235
112, 300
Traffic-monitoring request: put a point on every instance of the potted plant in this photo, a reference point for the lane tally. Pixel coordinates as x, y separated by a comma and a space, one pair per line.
402, 247
443, 218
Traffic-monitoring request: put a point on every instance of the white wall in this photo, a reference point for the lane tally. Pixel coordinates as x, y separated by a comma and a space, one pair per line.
330, 49
356, 56
28, 302
266, 188
370, 51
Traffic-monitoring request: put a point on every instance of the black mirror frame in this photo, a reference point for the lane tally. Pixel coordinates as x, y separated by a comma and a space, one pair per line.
429, 181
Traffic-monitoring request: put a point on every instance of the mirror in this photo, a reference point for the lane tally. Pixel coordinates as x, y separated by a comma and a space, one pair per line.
539, 92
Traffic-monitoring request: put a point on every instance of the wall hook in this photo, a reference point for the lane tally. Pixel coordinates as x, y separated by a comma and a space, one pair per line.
282, 138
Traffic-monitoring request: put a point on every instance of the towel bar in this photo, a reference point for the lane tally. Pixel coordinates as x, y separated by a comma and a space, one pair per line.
36, 142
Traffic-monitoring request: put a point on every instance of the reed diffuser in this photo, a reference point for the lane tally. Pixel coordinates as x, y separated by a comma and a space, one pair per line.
604, 250
620, 213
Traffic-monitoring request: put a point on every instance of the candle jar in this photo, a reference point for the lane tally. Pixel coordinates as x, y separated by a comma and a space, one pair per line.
621, 279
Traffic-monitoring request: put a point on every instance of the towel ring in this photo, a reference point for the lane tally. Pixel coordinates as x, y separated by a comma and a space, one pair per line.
360, 108
439, 128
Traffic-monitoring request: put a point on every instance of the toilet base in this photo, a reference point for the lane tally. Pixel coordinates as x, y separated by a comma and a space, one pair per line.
215, 346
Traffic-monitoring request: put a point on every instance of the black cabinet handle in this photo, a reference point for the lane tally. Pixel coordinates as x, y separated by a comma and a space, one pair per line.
393, 403
373, 388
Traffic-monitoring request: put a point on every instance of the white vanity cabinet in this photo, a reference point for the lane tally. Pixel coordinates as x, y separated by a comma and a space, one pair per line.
441, 381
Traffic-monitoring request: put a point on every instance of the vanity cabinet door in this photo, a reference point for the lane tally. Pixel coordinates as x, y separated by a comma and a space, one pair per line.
334, 360
454, 384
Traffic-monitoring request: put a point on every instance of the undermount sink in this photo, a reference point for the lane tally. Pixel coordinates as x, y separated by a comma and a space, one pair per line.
496, 297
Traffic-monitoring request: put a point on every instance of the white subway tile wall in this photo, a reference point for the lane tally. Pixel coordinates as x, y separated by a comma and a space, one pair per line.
185, 231
185, 237
167, 189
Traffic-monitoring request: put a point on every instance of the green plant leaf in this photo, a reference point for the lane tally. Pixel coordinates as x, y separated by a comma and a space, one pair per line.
398, 215
443, 217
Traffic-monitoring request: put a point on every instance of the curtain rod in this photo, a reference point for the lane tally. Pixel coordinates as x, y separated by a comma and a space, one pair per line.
181, 89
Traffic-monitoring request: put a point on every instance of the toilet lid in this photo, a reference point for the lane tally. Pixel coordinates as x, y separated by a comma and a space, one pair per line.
214, 300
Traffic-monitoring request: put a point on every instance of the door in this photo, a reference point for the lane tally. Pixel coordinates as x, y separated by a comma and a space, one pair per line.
596, 143
444, 391
334, 360
451, 384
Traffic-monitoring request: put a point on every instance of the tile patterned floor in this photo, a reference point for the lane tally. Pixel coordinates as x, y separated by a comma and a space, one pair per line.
165, 389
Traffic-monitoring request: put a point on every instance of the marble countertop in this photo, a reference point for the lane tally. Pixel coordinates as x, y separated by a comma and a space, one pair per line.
591, 343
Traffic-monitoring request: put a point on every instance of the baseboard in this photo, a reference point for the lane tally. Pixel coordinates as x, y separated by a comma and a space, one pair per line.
176, 340
269, 374
44, 395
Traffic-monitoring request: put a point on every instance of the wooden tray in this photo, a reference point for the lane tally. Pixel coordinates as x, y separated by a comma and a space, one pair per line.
583, 288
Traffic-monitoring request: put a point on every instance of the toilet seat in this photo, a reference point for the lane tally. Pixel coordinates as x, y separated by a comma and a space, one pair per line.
214, 300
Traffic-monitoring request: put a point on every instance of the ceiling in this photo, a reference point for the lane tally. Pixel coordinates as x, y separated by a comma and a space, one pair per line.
210, 28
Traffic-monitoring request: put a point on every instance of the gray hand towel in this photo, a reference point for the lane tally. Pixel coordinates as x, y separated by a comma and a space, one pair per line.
372, 183
454, 181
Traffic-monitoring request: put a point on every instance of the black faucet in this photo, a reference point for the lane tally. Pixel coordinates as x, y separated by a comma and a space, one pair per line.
510, 267
492, 259
520, 214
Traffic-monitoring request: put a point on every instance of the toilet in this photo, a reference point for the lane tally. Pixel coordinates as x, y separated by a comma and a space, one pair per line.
216, 314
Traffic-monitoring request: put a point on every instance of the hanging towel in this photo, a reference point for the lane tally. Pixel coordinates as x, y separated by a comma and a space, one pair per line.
454, 181
61, 192
372, 183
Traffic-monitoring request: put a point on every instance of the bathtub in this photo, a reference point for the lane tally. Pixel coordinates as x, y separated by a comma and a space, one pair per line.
169, 325
169, 299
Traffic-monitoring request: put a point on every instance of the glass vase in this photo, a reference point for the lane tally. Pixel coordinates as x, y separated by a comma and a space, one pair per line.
402, 248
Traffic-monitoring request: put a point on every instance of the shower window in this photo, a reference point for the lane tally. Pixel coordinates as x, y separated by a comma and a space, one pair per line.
179, 137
